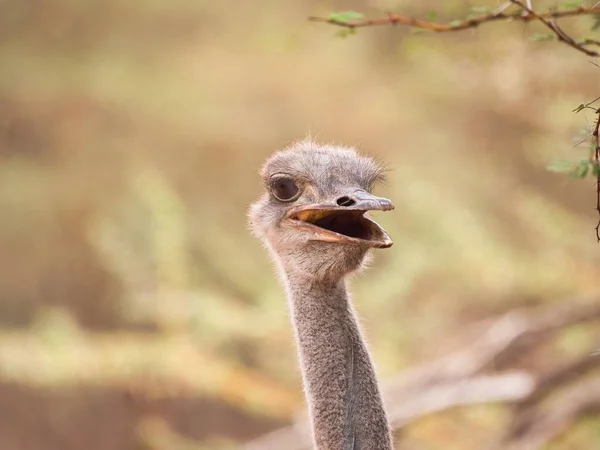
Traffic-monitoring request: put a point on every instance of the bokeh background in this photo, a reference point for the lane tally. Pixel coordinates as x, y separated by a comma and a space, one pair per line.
136, 311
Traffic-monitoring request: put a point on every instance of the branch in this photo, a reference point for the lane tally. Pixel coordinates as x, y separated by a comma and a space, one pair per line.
509, 386
525, 15
525, 412
503, 339
457, 379
505, 387
395, 19
596, 165
552, 421
558, 377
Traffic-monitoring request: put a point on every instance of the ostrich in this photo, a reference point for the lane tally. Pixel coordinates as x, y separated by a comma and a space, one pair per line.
312, 219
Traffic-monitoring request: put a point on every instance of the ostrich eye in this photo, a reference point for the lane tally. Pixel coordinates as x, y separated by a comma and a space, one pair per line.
284, 189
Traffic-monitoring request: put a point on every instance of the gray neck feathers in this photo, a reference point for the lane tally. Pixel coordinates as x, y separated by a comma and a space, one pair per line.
339, 379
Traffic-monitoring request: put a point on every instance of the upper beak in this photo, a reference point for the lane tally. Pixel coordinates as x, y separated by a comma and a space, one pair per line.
344, 220
365, 201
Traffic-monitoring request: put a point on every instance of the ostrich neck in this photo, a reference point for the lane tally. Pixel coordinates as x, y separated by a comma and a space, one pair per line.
339, 379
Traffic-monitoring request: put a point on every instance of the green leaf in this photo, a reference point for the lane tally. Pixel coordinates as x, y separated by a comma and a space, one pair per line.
596, 24
579, 108
432, 16
572, 4
345, 16
543, 37
560, 166
595, 169
583, 169
345, 32
480, 9
455, 23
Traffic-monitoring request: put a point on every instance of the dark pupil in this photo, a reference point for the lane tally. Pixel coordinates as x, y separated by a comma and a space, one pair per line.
284, 189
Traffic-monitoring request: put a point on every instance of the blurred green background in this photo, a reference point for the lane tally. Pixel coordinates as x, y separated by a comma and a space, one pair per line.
136, 311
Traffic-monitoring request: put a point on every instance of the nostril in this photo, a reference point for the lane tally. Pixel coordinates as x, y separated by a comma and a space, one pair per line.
345, 201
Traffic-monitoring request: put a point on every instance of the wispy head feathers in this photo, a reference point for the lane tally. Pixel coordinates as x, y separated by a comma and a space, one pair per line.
326, 165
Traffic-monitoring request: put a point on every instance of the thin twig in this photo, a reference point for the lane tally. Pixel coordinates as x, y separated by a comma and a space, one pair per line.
550, 23
589, 42
502, 7
583, 140
394, 19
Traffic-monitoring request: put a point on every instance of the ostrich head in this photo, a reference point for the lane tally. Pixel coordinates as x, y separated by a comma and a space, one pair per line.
313, 215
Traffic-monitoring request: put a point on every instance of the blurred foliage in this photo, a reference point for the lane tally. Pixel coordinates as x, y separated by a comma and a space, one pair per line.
135, 309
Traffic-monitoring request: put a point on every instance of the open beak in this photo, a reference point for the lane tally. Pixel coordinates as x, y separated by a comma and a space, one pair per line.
344, 221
